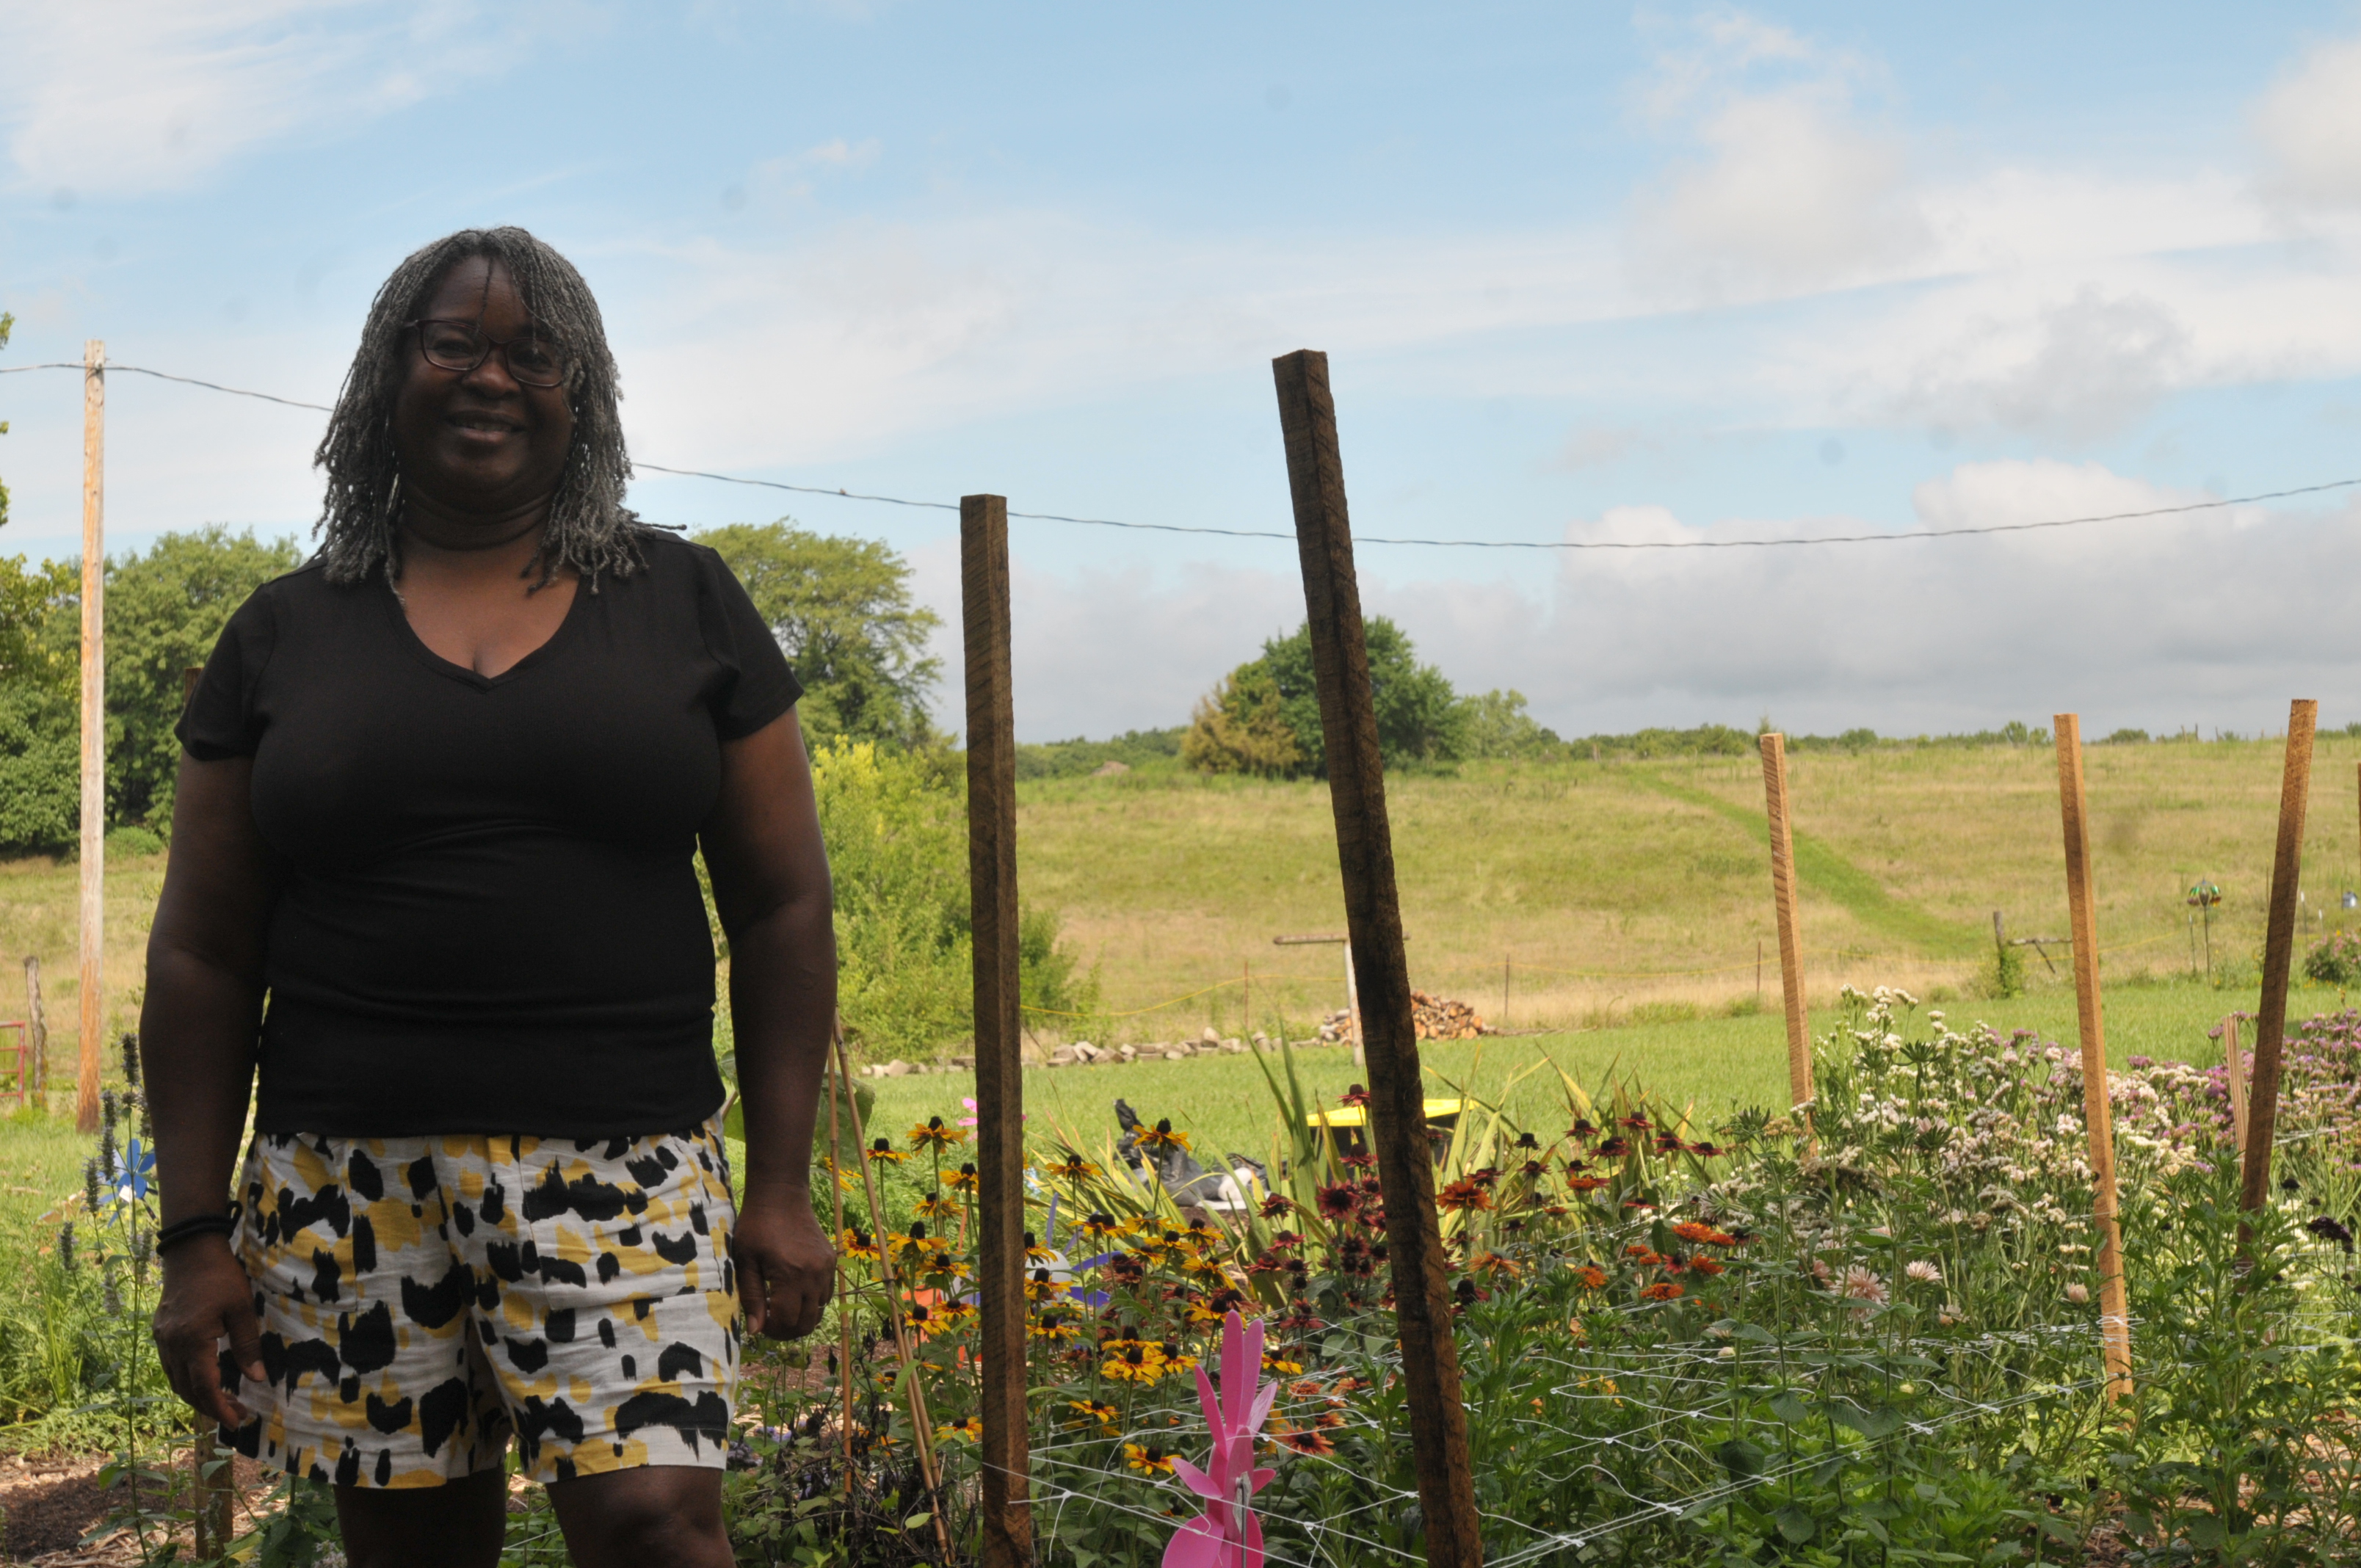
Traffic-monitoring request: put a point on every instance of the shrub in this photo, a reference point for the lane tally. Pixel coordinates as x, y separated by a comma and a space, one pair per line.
2335, 959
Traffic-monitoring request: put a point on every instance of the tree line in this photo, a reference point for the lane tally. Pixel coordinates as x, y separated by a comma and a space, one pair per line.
841, 608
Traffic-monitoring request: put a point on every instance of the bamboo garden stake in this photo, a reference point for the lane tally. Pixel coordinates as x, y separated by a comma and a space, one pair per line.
2234, 1058
999, 1069
1791, 937
2115, 1309
94, 731
843, 1304
2279, 947
1396, 1110
922, 1431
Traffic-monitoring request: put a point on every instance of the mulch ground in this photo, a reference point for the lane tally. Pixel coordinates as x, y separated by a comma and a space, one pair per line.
52, 1502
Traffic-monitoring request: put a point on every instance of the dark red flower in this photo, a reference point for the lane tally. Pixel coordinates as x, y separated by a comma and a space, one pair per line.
1356, 1095
1338, 1203
1614, 1148
1275, 1205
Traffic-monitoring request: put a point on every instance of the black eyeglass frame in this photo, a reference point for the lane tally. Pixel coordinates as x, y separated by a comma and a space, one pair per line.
490, 344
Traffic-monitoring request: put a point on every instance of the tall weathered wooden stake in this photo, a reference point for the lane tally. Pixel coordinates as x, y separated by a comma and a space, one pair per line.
999, 1068
1340, 663
2098, 1118
94, 731
1791, 935
2278, 947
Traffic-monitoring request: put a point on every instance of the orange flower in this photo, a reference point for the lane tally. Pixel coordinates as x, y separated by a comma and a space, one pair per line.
1592, 1277
1463, 1194
1315, 1443
1585, 1183
1704, 1265
1662, 1290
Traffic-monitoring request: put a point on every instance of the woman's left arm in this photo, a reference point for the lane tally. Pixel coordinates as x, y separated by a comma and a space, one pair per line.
763, 850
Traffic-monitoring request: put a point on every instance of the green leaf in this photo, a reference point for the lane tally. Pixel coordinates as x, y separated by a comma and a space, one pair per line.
1795, 1524
1872, 1424
1743, 1459
1790, 1408
914, 1520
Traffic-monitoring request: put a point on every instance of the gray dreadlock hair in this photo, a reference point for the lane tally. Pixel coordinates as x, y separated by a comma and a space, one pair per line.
589, 528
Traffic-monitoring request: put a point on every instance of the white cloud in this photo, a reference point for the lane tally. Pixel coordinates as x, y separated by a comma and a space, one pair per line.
2150, 622
124, 97
2080, 368
1789, 188
1789, 196
2310, 125
2208, 619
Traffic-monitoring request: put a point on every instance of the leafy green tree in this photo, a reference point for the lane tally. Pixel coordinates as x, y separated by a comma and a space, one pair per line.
841, 608
165, 609
1420, 718
1497, 725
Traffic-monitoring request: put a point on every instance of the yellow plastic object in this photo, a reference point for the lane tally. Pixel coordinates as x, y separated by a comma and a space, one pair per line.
1357, 1115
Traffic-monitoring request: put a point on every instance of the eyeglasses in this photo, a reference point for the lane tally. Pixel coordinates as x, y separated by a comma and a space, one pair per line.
532, 360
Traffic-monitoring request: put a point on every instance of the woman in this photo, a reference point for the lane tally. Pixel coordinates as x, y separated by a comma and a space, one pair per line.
432, 878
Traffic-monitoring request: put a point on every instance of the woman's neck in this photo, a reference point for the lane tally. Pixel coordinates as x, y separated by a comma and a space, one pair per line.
472, 545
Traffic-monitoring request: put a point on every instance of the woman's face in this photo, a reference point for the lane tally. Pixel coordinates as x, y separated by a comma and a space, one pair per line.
479, 441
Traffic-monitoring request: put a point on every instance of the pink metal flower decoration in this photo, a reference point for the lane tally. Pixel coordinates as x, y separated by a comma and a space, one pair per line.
1227, 1534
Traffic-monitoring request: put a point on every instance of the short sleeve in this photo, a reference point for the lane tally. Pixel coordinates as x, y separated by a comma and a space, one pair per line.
756, 684
219, 722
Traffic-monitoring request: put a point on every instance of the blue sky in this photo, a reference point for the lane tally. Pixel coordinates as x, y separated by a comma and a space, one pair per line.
1583, 271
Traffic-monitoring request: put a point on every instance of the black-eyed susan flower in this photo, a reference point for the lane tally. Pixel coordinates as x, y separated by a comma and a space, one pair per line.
936, 1134
883, 1151
1146, 1460
1090, 1412
964, 1179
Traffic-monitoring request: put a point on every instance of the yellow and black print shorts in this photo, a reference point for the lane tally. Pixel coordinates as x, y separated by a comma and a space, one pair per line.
422, 1298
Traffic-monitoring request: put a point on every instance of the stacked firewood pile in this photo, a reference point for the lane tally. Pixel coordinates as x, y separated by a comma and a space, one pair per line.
1435, 1017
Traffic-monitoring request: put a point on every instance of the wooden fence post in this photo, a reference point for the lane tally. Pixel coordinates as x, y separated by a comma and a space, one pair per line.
37, 1027
1791, 937
2098, 1115
2278, 947
1340, 662
94, 731
999, 1066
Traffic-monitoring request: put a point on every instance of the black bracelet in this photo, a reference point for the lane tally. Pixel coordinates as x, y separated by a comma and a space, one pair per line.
179, 1231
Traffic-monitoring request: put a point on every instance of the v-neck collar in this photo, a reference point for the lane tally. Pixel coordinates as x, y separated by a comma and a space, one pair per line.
461, 673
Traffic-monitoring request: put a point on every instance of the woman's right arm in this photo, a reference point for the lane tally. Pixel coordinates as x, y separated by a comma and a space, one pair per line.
197, 1035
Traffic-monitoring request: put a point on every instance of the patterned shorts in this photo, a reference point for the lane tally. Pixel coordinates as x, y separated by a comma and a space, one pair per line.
422, 1298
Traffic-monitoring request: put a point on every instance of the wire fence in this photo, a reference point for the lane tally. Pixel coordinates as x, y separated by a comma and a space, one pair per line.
2222, 505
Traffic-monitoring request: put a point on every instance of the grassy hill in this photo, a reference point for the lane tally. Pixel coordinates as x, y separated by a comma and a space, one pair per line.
1612, 888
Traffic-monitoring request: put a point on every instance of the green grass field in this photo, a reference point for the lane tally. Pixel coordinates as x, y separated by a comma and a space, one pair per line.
1609, 887
1627, 899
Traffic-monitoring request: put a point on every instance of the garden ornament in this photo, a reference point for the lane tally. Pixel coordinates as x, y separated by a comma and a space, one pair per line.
1227, 1534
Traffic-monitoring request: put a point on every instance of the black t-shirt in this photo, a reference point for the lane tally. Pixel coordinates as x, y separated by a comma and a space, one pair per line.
491, 921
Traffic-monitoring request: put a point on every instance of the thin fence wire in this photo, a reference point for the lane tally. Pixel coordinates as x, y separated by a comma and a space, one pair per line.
1893, 536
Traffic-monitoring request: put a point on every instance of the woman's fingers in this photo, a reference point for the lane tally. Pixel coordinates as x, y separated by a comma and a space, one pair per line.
751, 1295
207, 1299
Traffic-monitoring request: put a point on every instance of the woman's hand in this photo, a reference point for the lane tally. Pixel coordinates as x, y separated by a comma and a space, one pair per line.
787, 1269
207, 1296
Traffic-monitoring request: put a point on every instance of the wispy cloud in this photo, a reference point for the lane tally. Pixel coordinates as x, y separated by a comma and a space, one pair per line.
128, 97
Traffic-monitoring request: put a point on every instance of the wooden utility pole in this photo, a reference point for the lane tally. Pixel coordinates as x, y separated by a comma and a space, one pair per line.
94, 731
1791, 935
2278, 947
999, 1067
2098, 1118
1340, 663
